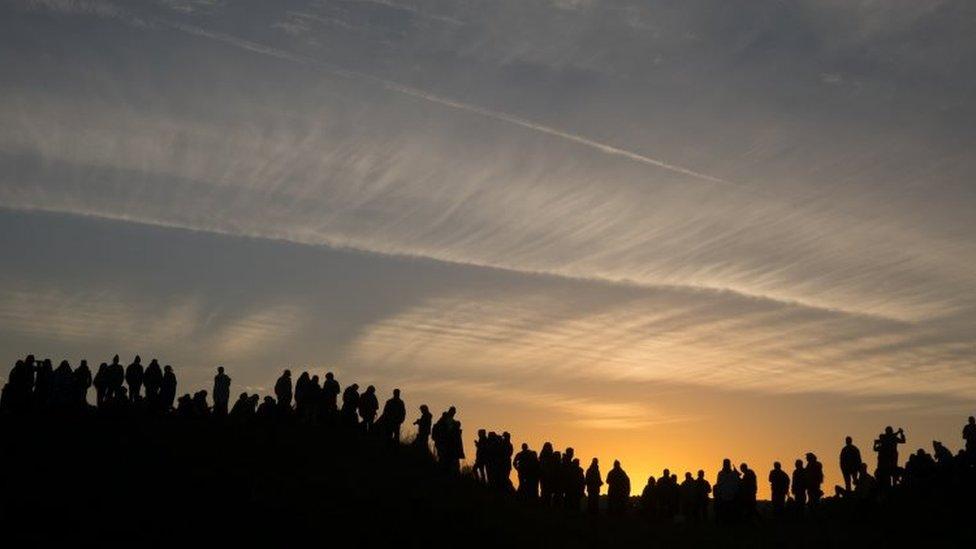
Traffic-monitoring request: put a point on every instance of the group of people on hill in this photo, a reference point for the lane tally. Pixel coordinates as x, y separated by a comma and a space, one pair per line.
35, 386
551, 477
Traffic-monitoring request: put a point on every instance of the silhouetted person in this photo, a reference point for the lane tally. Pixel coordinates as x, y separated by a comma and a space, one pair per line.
241, 407
184, 407
549, 471
283, 392
526, 464
268, 409
303, 395
666, 497
350, 405
779, 486
969, 435
330, 394
43, 384
18, 391
726, 492
61, 386
423, 424
457, 443
749, 487
100, 382
81, 381
799, 486
618, 490
814, 478
221, 392
557, 482
446, 434
575, 486
200, 406
133, 378
865, 487
152, 380
114, 379
648, 500
594, 481
167, 389
703, 489
850, 462
394, 414
886, 445
480, 466
368, 406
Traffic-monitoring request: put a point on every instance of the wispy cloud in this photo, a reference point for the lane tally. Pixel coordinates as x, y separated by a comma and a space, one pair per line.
579, 142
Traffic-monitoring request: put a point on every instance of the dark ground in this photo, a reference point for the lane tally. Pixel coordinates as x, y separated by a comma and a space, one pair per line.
168, 482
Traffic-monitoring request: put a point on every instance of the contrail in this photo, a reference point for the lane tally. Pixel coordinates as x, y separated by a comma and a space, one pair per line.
432, 98
504, 117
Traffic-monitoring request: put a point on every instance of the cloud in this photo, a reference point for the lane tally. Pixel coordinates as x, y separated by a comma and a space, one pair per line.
491, 135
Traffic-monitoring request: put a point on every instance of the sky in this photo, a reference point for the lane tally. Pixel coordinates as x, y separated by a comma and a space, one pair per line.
660, 231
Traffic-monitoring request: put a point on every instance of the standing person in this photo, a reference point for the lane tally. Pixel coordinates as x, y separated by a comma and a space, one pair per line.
303, 394
593, 483
886, 445
153, 380
749, 488
368, 406
814, 478
526, 464
702, 488
133, 378
969, 435
394, 413
101, 384
81, 381
726, 492
330, 394
221, 392
687, 498
648, 499
618, 490
779, 486
283, 391
480, 467
350, 406
115, 378
576, 487
548, 468
446, 434
799, 486
423, 424
850, 462
167, 389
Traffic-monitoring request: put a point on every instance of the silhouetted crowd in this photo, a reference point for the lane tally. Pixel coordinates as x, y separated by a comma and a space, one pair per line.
550, 477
